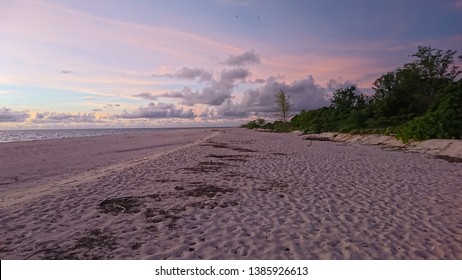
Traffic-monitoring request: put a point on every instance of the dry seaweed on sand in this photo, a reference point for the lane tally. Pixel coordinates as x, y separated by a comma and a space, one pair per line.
239, 158
207, 190
120, 205
317, 138
450, 159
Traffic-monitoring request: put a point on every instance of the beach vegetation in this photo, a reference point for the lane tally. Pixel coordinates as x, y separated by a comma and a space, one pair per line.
348, 98
441, 121
257, 123
418, 101
280, 126
283, 105
260, 122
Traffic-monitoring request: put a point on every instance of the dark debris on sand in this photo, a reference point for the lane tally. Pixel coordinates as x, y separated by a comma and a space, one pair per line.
226, 146
317, 138
450, 159
207, 190
207, 167
94, 245
119, 205
238, 158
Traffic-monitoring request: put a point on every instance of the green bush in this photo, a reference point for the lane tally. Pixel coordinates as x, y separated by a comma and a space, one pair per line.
422, 128
258, 123
280, 126
444, 122
439, 124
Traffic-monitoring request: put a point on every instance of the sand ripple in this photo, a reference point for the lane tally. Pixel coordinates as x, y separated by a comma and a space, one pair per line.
249, 195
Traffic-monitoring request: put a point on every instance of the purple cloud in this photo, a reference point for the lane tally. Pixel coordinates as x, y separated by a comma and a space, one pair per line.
157, 111
259, 81
193, 73
175, 94
146, 95
53, 117
231, 75
190, 74
304, 94
214, 94
8, 115
242, 59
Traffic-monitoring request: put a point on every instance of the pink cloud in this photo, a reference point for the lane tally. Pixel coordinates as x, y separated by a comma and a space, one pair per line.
323, 68
106, 57
55, 24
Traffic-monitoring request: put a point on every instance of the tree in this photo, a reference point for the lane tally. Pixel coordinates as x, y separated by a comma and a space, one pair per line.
394, 92
434, 64
346, 99
411, 90
260, 121
444, 121
283, 105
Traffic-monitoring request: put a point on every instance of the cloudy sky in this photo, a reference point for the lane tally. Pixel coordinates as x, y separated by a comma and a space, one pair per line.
148, 63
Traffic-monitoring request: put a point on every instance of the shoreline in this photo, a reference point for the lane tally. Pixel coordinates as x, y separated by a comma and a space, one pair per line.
30, 160
236, 194
92, 171
51, 134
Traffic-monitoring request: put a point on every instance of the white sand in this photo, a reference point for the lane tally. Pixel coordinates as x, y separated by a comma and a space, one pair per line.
235, 195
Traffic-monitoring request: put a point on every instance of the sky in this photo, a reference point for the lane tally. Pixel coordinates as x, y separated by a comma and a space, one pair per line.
180, 63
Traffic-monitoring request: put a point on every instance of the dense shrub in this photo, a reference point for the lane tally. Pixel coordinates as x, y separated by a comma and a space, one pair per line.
444, 121
258, 123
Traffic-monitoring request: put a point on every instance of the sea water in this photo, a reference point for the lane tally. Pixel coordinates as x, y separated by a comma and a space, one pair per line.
30, 135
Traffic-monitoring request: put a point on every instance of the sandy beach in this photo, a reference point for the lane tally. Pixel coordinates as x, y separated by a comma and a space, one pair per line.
225, 194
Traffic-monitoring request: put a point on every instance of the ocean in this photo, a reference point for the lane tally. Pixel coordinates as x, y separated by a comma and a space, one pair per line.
31, 135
